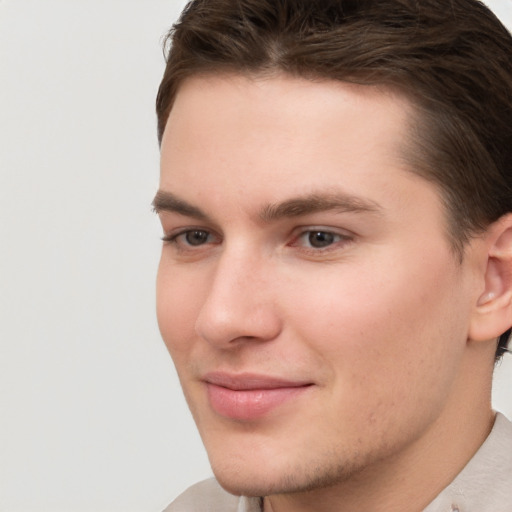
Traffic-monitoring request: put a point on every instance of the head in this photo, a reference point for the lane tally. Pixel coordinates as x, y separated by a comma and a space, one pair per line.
452, 61
426, 82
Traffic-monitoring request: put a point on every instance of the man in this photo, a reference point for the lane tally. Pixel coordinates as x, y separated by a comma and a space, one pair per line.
336, 274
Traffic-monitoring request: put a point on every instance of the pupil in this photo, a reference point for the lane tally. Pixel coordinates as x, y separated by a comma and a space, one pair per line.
196, 237
321, 239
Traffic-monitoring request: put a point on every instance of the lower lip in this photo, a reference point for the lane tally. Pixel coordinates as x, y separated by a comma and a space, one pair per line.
249, 404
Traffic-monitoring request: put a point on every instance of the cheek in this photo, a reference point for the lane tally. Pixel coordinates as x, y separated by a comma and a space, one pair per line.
177, 299
390, 333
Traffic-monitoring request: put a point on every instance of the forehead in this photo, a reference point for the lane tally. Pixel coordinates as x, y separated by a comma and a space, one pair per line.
264, 139
253, 100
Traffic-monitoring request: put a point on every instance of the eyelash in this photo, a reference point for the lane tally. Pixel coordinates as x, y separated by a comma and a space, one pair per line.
174, 238
337, 239
183, 246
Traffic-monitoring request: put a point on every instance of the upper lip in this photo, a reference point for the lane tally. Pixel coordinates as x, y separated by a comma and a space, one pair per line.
247, 381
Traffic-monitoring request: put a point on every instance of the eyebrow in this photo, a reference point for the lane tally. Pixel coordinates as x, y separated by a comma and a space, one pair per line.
314, 203
294, 207
167, 202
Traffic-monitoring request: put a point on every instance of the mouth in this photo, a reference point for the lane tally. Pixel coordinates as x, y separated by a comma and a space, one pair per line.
248, 397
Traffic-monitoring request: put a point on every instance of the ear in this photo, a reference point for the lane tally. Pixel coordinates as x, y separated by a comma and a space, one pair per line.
492, 314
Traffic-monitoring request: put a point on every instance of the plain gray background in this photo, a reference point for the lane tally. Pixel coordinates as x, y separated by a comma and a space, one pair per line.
91, 414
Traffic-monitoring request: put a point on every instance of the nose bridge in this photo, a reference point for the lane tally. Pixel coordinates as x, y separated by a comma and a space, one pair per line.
239, 303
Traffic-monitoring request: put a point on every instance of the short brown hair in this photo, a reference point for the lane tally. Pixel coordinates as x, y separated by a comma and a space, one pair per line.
452, 58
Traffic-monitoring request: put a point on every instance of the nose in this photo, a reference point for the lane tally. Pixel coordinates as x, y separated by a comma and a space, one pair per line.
239, 306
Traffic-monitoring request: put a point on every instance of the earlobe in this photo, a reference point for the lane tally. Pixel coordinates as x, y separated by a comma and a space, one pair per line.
493, 311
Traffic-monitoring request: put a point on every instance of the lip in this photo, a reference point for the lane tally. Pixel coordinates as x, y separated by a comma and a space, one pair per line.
248, 396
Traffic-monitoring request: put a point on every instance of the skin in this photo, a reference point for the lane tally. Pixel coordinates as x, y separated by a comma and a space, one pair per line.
378, 320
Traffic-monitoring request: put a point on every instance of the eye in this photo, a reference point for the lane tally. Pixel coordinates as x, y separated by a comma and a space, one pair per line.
318, 239
196, 237
190, 238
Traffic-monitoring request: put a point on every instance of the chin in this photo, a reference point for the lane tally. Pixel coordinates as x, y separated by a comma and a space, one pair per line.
240, 486
280, 476
243, 478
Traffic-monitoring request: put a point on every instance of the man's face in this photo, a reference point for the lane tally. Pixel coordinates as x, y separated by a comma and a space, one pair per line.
307, 292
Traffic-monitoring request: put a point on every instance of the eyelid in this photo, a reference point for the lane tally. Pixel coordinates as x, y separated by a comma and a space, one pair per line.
302, 230
344, 236
172, 236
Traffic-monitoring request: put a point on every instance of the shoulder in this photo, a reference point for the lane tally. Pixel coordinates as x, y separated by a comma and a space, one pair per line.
209, 496
495, 465
484, 484
493, 462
